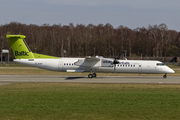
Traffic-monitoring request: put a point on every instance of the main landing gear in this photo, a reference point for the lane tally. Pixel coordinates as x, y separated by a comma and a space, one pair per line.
165, 76
93, 75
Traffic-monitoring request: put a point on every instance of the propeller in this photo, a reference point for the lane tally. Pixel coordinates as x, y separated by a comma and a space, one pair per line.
117, 58
115, 62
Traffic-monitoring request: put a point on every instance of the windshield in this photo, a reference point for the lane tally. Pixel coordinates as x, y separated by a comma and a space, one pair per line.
160, 64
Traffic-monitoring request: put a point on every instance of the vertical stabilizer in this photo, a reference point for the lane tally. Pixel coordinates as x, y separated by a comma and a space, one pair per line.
19, 47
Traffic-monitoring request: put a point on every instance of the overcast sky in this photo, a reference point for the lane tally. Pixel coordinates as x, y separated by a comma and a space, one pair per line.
129, 13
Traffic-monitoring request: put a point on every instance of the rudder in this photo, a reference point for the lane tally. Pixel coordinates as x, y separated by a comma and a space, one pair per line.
20, 49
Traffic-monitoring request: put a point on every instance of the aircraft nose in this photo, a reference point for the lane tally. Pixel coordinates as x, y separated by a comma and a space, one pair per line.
169, 70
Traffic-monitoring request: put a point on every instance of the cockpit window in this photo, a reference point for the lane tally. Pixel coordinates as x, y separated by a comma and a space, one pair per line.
160, 64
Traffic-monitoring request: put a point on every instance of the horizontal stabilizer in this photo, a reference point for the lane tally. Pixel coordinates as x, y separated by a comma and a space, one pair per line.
16, 36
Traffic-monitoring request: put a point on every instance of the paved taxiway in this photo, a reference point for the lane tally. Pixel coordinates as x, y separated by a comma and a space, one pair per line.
7, 79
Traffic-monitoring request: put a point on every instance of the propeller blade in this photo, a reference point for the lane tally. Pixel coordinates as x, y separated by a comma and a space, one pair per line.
115, 61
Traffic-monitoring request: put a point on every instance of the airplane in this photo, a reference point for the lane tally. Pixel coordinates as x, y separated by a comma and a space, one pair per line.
24, 55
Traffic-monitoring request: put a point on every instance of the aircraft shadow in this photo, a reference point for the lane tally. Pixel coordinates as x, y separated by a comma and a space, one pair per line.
72, 78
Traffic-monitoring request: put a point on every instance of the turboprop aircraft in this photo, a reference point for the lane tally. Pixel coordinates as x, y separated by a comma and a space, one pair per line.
24, 55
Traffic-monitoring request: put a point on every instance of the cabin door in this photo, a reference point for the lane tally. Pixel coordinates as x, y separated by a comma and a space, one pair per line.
60, 65
140, 68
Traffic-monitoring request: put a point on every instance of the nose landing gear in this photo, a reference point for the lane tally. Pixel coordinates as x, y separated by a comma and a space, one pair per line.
165, 76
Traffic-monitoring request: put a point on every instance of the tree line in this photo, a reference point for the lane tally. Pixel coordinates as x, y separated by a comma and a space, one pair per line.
89, 40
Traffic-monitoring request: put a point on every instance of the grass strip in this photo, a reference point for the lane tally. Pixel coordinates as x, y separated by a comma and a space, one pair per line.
69, 101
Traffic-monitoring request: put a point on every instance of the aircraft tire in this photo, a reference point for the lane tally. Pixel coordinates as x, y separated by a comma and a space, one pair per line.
90, 76
94, 75
164, 76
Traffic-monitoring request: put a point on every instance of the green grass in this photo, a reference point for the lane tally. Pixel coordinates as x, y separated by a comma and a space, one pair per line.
69, 101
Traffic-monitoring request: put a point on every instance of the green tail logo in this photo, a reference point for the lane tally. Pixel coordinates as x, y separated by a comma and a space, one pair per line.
22, 53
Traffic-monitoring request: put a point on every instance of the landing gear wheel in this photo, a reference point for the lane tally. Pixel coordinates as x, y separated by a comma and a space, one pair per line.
165, 76
90, 75
94, 75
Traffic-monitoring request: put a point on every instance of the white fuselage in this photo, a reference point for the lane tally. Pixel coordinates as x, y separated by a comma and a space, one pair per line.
103, 65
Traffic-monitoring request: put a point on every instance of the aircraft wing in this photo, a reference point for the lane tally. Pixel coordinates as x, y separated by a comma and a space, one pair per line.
89, 58
79, 62
88, 61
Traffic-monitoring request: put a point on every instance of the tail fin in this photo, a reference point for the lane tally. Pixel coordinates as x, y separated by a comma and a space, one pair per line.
20, 49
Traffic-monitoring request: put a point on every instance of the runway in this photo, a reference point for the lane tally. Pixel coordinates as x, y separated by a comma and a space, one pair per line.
8, 79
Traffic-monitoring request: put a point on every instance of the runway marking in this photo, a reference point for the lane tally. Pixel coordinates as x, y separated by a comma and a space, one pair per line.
1, 84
